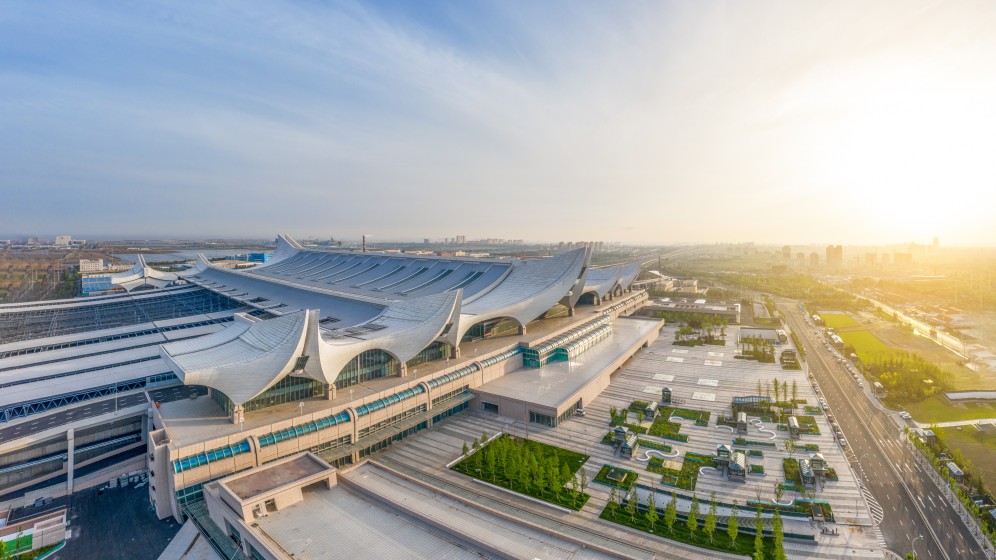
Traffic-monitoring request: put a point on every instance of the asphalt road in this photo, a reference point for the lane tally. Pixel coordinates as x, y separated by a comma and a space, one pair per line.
874, 441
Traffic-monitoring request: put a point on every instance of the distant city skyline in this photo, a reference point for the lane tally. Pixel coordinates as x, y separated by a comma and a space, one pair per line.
844, 122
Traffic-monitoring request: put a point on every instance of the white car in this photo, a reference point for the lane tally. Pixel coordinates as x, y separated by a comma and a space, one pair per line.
843, 442
905, 415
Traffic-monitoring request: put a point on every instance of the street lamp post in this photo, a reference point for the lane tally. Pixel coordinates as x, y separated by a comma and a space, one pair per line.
913, 545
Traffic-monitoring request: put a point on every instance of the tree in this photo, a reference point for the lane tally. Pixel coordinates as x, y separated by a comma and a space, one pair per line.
613, 413
758, 387
490, 458
732, 526
693, 517
614, 510
484, 438
671, 513
631, 505
466, 449
651, 514
789, 447
795, 391
779, 492
583, 480
574, 488
709, 525
639, 416
758, 535
777, 385
776, 527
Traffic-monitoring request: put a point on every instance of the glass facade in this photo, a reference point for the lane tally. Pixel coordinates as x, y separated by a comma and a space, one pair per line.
387, 423
558, 310
537, 418
492, 328
371, 364
435, 351
288, 389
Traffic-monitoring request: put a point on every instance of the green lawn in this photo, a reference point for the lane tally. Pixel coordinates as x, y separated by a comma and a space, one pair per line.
937, 409
838, 321
867, 346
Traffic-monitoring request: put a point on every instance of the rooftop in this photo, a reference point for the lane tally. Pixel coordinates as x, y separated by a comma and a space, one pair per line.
553, 383
270, 477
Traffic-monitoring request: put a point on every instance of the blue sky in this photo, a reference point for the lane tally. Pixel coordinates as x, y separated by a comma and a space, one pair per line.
631, 121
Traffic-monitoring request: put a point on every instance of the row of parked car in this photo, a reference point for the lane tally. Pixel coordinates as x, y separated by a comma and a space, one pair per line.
839, 435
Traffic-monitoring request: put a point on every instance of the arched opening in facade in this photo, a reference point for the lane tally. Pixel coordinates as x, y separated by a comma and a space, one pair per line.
589, 298
492, 328
371, 364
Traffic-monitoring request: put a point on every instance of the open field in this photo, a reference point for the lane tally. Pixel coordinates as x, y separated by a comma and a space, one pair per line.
867, 346
961, 379
838, 321
977, 446
937, 409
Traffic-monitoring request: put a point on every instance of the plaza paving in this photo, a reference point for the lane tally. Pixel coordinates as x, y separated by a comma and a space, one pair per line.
713, 385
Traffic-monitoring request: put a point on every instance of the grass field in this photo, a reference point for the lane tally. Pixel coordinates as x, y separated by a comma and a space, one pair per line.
937, 409
978, 446
961, 379
838, 321
867, 346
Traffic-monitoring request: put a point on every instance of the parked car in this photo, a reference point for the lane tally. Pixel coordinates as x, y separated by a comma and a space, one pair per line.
904, 414
843, 442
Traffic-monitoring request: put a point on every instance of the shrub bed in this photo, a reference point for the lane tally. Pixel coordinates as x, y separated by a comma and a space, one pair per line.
655, 445
791, 467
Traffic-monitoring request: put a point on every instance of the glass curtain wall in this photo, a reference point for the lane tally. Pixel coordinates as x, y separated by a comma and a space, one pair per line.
371, 364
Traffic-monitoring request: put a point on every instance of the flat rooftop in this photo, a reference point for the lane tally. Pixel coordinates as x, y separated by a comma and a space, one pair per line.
334, 524
553, 383
270, 477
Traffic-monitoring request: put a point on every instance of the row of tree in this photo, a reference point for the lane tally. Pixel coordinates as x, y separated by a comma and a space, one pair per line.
781, 390
627, 503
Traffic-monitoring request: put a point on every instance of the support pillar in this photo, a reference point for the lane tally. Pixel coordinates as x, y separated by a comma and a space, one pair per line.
456, 352
238, 414
330, 391
404, 369
570, 310
70, 459
522, 330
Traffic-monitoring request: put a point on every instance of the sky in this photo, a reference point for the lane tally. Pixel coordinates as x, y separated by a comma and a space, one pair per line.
850, 122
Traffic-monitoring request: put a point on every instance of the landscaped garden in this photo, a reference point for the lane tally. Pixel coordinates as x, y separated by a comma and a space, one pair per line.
667, 429
616, 476
530, 467
694, 528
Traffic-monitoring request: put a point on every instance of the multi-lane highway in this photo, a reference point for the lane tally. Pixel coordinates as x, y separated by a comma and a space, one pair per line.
910, 502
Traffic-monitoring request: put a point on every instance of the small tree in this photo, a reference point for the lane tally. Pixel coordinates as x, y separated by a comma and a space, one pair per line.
776, 527
583, 480
639, 416
466, 449
671, 513
574, 488
709, 525
777, 386
631, 505
759, 387
789, 447
758, 535
693, 517
732, 526
613, 412
651, 514
779, 492
490, 459
613, 509
484, 438
795, 391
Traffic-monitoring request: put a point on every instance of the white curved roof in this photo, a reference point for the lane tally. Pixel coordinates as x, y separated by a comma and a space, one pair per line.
605, 279
142, 275
340, 304
242, 360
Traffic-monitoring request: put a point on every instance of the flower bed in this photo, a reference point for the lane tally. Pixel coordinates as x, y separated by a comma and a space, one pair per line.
756, 469
755, 453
